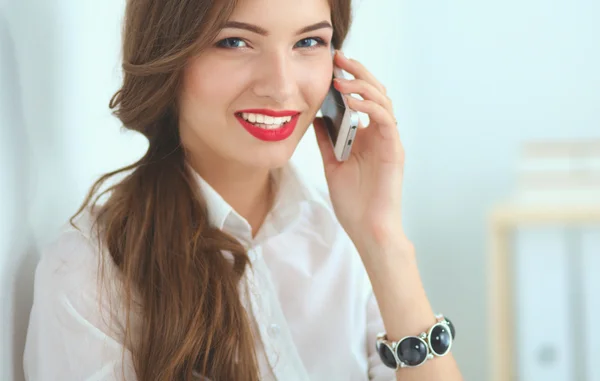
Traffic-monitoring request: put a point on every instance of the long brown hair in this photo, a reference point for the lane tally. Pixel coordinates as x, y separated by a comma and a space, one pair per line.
154, 223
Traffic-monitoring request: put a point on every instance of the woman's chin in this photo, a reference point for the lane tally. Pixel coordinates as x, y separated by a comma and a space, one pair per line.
274, 155
261, 153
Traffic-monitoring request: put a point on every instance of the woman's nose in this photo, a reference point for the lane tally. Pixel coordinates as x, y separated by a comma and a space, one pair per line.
276, 78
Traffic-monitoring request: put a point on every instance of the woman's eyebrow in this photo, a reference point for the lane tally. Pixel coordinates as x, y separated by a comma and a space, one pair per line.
259, 30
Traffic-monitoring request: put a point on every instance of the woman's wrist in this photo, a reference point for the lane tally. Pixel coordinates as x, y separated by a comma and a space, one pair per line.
392, 268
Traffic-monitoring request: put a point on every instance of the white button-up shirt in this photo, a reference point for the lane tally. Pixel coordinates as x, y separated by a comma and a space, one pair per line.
308, 294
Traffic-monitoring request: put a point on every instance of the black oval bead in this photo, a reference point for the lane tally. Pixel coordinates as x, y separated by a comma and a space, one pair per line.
452, 329
440, 339
412, 351
387, 356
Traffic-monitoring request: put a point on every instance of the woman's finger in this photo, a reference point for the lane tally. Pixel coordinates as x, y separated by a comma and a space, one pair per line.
377, 113
365, 90
358, 70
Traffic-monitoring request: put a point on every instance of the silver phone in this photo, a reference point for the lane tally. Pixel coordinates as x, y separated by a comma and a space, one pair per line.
340, 120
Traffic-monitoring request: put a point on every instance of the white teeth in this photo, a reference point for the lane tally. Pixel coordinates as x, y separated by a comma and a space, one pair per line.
268, 126
266, 121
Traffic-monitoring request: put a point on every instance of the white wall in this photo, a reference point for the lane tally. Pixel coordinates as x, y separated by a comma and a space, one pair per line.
13, 229
58, 69
470, 81
476, 79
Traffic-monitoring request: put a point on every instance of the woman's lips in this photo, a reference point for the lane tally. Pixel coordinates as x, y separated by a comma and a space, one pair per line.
270, 135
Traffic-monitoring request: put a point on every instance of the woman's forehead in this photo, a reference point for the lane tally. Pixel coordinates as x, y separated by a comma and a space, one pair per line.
289, 14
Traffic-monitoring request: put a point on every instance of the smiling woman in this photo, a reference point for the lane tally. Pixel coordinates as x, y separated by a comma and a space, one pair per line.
213, 258
224, 90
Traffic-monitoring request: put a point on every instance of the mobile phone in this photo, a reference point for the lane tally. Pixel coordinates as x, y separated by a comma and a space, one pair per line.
340, 120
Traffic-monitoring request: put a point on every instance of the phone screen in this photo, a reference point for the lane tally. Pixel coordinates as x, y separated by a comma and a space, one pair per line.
333, 112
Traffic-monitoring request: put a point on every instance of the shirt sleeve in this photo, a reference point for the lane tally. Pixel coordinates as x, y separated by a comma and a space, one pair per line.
377, 370
72, 333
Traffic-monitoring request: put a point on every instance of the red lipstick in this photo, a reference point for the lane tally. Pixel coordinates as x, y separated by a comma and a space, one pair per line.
267, 135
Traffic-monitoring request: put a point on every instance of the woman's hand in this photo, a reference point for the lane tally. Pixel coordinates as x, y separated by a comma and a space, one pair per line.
366, 190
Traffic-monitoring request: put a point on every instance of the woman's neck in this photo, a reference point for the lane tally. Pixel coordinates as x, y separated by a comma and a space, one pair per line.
249, 190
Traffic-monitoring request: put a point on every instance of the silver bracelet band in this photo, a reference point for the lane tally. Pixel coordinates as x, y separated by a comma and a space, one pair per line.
413, 351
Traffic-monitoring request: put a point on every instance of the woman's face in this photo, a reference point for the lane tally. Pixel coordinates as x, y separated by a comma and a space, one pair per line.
251, 96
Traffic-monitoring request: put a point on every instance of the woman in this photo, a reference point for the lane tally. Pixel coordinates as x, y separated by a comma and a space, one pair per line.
212, 258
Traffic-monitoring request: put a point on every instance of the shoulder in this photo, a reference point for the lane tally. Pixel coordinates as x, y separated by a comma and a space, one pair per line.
76, 279
74, 317
70, 263
320, 218
318, 209
328, 245
310, 190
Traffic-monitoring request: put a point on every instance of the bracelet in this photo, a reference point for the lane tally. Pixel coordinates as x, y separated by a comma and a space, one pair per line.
413, 351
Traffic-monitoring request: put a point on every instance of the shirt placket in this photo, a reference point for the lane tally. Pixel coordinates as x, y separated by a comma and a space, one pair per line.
277, 340
260, 303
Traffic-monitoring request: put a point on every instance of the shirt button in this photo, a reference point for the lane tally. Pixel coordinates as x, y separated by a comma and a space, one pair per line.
274, 330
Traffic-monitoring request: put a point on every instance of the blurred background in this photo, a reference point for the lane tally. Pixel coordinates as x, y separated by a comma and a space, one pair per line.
498, 107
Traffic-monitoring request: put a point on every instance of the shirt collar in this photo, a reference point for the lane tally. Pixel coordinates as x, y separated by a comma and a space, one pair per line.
293, 192
218, 209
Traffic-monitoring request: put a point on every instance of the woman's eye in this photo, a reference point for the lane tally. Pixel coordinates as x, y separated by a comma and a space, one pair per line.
311, 42
235, 43
231, 43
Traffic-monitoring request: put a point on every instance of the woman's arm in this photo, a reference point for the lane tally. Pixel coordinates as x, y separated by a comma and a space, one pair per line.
366, 193
403, 303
